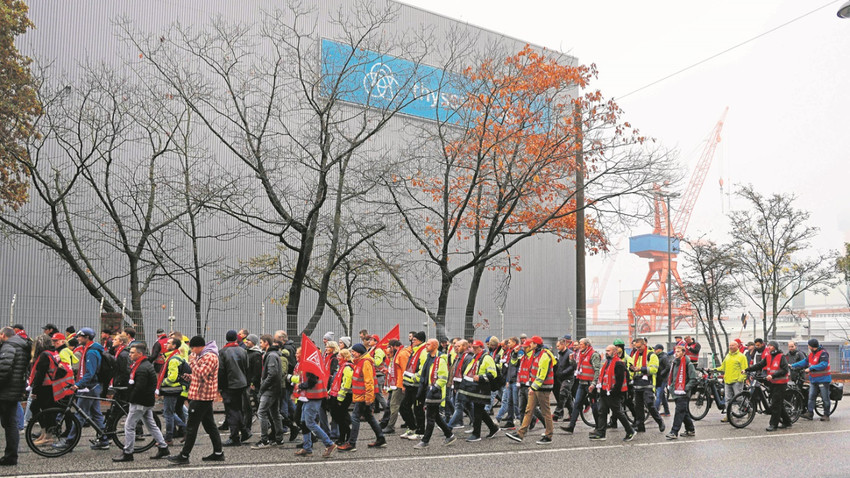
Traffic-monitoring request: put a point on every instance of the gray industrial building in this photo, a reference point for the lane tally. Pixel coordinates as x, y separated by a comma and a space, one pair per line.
69, 34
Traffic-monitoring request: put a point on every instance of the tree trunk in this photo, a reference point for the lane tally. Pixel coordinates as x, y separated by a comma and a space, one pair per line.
442, 303
469, 315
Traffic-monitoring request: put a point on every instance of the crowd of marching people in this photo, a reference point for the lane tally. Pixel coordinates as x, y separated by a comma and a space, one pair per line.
324, 393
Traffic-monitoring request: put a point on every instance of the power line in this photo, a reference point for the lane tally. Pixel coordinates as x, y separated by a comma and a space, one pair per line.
671, 75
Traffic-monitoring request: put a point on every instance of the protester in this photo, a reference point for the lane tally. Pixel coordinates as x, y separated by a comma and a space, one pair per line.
733, 367
680, 383
340, 396
661, 381
588, 365
510, 397
611, 389
363, 396
541, 376
432, 385
820, 378
644, 366
13, 370
479, 371
269, 390
564, 374
395, 385
412, 411
232, 382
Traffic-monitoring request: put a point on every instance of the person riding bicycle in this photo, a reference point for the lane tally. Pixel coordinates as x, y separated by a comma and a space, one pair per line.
776, 368
817, 366
87, 379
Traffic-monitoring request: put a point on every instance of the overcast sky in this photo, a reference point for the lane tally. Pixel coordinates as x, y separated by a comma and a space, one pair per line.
788, 92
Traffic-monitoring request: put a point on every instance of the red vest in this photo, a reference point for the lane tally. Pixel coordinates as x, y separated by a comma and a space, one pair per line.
162, 341
318, 392
773, 367
337, 383
524, 370
692, 356
814, 359
607, 379
358, 383
584, 370
535, 364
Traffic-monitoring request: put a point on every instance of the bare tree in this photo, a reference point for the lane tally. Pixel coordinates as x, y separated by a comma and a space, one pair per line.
768, 242
710, 288
258, 92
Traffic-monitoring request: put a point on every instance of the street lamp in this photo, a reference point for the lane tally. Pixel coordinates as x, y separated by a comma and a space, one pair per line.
844, 11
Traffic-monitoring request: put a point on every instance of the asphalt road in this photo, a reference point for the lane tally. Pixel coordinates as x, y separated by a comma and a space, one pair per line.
808, 448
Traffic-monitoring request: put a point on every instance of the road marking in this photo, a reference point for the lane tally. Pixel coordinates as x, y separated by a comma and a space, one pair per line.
432, 457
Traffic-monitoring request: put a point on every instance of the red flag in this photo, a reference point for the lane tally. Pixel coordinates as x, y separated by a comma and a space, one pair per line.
311, 359
393, 334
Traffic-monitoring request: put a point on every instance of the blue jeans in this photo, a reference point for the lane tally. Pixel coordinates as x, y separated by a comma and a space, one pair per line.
20, 414
661, 399
462, 405
91, 407
364, 410
493, 396
824, 395
169, 412
581, 392
510, 403
310, 416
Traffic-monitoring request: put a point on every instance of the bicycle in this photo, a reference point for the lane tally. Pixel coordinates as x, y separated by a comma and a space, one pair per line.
742, 408
65, 426
836, 392
708, 390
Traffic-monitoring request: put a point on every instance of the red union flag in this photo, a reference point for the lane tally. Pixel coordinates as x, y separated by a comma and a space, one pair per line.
311, 359
393, 334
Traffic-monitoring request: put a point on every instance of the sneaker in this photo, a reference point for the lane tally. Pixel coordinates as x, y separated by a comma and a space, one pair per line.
824, 419
473, 438
303, 452
725, 419
329, 451
261, 445
450, 439
347, 447
388, 431
232, 442
568, 430
807, 415
594, 436
178, 459
415, 437
214, 457
689, 433
245, 436
420, 446
514, 436
544, 441
661, 426
457, 427
629, 436
667, 414
468, 431
509, 425
406, 435
123, 457
671, 436
493, 433
60, 444
6, 461
104, 445
379, 443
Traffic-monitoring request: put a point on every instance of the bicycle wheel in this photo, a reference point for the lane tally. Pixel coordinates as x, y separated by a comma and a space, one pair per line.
740, 411
794, 404
52, 439
819, 406
587, 414
144, 439
699, 404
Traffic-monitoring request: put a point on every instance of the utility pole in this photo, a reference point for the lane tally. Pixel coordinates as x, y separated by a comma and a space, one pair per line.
581, 293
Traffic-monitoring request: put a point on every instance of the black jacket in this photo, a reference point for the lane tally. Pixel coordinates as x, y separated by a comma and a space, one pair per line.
663, 369
566, 367
42, 366
255, 365
794, 357
233, 368
122, 368
13, 368
141, 391
271, 373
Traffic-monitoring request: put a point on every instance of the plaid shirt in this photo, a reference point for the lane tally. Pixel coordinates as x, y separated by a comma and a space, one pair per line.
204, 384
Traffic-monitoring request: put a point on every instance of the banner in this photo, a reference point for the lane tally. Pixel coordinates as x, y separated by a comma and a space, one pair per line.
311, 359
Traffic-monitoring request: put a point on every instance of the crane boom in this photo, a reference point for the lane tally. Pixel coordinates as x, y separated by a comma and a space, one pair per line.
689, 198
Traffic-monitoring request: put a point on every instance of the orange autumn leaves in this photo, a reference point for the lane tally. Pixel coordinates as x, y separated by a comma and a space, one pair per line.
512, 170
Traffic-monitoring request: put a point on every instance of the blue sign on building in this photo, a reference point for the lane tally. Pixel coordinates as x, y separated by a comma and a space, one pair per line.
382, 81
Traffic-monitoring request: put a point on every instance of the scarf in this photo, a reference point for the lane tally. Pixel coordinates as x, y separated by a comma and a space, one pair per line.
643, 356
164, 369
133, 370
607, 376
231, 344
581, 356
681, 377
83, 361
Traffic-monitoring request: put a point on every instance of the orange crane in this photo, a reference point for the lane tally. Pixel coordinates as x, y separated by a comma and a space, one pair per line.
651, 305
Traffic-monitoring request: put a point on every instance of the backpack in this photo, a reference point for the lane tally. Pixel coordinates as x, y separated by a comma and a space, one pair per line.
183, 369
499, 381
106, 371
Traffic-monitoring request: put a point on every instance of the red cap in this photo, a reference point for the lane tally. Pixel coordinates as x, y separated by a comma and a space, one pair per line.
58, 336
477, 343
376, 338
527, 343
537, 340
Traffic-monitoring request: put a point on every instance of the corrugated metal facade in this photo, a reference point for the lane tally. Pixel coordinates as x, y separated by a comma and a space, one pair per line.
70, 33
